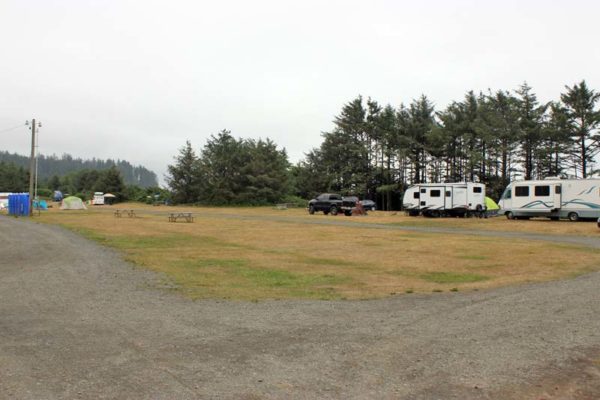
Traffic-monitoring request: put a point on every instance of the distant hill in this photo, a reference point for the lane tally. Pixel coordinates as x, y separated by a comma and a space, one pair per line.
49, 166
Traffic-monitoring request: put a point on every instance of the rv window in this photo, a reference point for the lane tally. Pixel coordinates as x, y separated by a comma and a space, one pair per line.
435, 193
557, 189
542, 191
423, 190
521, 191
416, 195
423, 203
476, 189
448, 193
507, 193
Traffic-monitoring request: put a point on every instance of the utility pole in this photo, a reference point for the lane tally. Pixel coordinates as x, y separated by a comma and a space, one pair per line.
32, 164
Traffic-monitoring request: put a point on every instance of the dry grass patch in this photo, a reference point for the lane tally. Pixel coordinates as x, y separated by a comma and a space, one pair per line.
223, 255
539, 225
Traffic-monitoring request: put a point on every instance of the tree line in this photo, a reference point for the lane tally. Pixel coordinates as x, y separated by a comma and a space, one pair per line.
81, 183
54, 166
230, 171
13, 178
377, 151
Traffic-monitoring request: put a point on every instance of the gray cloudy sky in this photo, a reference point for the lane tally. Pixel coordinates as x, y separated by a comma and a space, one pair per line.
135, 79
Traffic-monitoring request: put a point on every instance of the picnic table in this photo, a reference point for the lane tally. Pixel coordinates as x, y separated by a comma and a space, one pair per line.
184, 216
122, 213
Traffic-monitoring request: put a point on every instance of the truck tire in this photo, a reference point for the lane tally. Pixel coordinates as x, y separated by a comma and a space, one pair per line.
311, 210
333, 210
510, 215
573, 216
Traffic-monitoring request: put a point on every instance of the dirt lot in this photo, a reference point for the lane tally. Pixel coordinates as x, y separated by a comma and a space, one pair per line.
78, 322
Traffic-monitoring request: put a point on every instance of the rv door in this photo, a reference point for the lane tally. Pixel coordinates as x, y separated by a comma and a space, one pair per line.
557, 196
448, 194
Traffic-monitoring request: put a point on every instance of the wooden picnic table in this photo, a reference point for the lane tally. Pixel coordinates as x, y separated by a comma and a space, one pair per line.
121, 213
185, 216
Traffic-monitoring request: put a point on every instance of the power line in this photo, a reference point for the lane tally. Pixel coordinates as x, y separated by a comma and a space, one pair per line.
11, 129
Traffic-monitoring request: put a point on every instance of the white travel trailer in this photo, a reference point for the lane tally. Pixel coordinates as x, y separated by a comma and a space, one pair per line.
98, 199
553, 198
440, 199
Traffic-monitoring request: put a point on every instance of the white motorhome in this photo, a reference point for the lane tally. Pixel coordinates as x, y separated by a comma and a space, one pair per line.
440, 199
553, 198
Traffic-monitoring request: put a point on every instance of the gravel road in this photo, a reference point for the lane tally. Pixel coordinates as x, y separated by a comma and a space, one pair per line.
76, 321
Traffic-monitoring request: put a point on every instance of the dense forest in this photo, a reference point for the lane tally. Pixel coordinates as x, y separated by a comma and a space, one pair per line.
376, 151
50, 166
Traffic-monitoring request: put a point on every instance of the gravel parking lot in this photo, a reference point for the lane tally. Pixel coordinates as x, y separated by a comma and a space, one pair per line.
76, 321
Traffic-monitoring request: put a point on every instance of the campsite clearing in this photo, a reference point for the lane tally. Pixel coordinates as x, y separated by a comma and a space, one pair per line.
77, 322
227, 254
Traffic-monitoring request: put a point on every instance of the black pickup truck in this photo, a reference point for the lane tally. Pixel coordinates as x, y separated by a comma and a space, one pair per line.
332, 203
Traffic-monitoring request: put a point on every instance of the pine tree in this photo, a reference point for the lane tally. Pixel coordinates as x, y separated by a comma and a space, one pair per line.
420, 124
345, 152
182, 177
111, 181
555, 141
530, 124
583, 120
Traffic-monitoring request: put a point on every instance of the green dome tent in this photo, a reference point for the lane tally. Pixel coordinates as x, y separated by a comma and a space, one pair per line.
490, 204
72, 203
491, 208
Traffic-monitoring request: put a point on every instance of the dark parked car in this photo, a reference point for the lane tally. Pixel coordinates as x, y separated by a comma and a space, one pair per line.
369, 205
332, 203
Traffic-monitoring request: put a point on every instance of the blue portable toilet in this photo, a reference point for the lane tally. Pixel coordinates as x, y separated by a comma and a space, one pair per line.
18, 204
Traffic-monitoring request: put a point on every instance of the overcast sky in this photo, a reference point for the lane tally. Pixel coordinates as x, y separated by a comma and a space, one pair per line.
135, 79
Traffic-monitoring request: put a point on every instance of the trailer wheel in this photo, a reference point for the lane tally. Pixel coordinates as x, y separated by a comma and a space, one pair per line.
311, 210
573, 216
510, 215
479, 211
333, 210
347, 213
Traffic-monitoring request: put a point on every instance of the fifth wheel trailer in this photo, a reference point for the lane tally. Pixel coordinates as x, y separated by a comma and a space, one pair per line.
553, 198
441, 199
